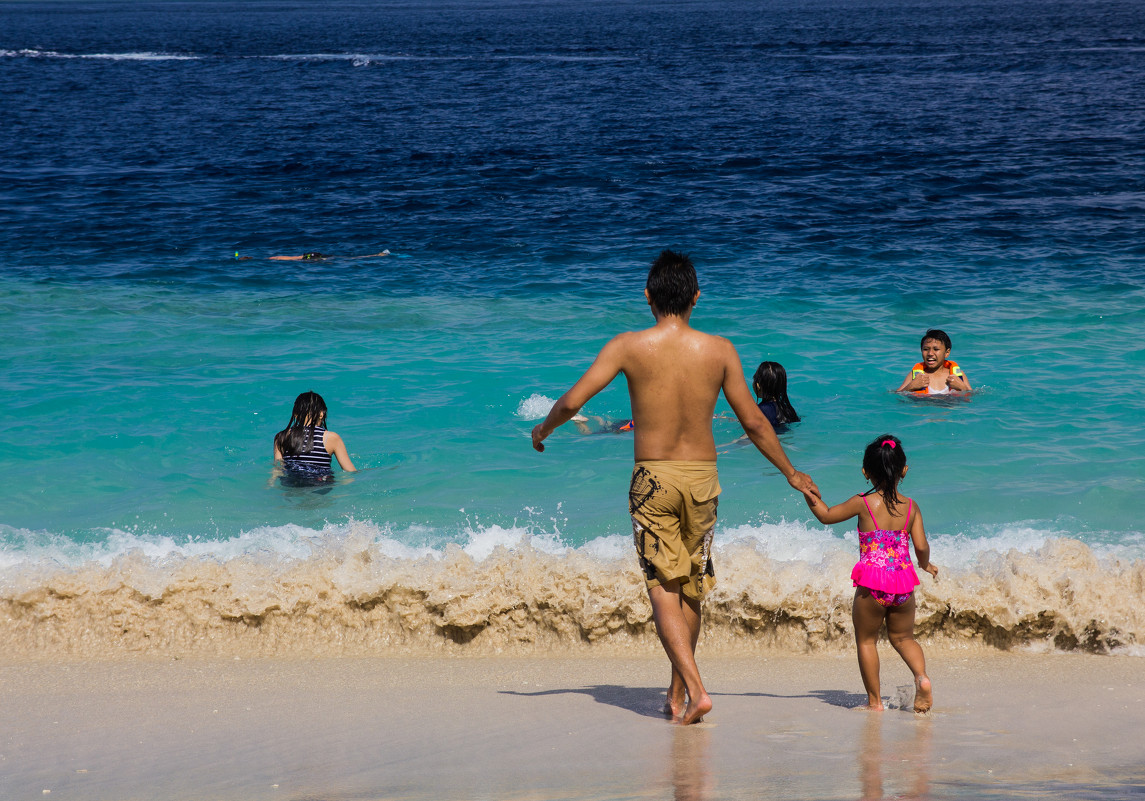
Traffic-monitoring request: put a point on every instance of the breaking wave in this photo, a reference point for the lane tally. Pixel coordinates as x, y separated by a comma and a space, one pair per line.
354, 588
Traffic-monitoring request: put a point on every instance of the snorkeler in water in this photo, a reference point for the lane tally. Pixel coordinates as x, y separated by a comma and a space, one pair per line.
602, 425
314, 256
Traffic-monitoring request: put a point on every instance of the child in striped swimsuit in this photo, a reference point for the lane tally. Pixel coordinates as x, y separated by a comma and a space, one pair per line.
305, 446
884, 577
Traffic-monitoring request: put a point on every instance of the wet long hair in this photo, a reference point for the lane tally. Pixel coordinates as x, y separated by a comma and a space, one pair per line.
884, 461
298, 436
770, 384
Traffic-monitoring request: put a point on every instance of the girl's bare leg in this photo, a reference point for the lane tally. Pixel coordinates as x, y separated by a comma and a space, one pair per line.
868, 616
900, 631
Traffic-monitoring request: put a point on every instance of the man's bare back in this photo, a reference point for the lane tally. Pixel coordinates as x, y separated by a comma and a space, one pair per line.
675, 374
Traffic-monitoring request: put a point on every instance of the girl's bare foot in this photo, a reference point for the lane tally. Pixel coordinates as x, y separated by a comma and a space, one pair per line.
922, 697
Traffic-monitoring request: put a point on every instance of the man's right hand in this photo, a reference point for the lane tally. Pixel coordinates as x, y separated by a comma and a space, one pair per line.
538, 438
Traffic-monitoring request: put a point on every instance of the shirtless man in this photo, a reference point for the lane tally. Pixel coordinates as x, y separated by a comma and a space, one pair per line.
675, 375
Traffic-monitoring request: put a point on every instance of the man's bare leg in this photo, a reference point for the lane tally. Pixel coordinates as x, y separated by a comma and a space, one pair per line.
676, 700
672, 624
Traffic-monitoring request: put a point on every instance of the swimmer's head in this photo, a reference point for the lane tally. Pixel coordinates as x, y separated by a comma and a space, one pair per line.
770, 381
309, 410
884, 465
935, 348
770, 385
938, 335
672, 286
314, 256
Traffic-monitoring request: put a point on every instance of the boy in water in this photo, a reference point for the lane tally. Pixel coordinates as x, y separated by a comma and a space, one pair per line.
675, 375
935, 374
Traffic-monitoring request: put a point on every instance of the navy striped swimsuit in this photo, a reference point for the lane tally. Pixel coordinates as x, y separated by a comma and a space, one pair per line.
314, 462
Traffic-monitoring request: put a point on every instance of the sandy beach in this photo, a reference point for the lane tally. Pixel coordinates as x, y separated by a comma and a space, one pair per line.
1005, 725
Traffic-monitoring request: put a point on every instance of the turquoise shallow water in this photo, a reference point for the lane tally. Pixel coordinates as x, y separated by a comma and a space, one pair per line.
149, 409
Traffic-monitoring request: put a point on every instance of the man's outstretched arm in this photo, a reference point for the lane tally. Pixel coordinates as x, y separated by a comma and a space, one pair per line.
756, 426
605, 368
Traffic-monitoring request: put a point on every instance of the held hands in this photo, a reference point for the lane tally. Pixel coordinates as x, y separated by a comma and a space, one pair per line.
803, 483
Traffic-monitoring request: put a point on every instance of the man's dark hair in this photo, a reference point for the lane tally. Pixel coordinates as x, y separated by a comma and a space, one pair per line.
938, 335
672, 283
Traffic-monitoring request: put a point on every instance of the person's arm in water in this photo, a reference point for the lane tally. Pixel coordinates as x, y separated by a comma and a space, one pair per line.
755, 424
834, 514
334, 445
921, 546
605, 368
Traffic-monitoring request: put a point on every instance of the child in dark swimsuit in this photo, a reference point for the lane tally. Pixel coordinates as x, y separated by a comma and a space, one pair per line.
770, 387
305, 446
884, 577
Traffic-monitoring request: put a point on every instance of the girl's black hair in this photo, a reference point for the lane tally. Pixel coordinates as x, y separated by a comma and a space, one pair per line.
770, 384
298, 436
884, 461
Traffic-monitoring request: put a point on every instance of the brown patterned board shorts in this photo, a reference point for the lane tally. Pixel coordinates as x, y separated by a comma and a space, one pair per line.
673, 508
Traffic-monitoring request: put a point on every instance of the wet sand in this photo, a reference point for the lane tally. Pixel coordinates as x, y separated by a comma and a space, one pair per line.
585, 727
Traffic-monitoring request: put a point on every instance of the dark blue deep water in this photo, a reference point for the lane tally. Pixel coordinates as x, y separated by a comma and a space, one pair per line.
518, 146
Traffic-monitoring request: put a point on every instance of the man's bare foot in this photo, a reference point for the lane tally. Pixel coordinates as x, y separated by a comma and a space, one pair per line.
696, 709
922, 697
674, 703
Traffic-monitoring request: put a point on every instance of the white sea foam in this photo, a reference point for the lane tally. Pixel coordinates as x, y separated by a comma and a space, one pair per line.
143, 56
534, 407
357, 59
782, 542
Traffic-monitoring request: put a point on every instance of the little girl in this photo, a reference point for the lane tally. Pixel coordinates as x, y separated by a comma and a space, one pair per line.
304, 446
770, 386
884, 577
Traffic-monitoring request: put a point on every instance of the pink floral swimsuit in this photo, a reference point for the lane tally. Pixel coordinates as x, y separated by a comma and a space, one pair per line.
884, 565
